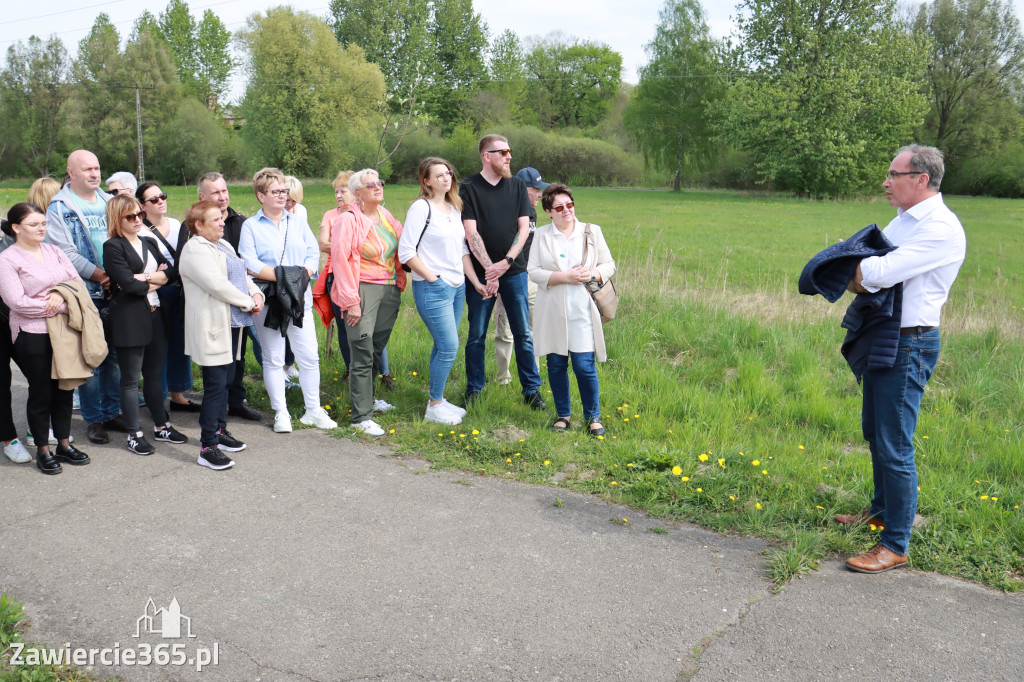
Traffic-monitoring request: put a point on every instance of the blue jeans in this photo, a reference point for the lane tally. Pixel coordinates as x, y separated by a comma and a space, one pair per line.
440, 305
516, 298
892, 401
100, 396
584, 366
177, 372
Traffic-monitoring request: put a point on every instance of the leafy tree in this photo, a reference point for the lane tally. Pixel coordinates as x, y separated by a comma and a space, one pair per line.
507, 74
33, 88
146, 21
394, 35
101, 110
213, 59
305, 92
458, 38
189, 144
178, 28
668, 115
572, 83
973, 75
828, 91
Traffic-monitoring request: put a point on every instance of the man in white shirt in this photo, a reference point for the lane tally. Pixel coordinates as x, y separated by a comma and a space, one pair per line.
930, 250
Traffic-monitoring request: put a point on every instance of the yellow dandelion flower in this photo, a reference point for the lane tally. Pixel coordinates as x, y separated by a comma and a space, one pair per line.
756, 462
757, 505
703, 457
636, 416
873, 527
732, 497
327, 407
764, 471
700, 490
440, 435
508, 460
462, 435
625, 520
677, 471
721, 462
685, 478
522, 440
819, 506
619, 409
391, 431
801, 447
670, 430
995, 499
547, 462
415, 374
625, 404
475, 432
517, 454
630, 464
452, 432
984, 497
614, 483
925, 437
625, 419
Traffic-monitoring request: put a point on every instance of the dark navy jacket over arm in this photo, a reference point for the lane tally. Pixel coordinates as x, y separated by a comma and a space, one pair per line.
872, 321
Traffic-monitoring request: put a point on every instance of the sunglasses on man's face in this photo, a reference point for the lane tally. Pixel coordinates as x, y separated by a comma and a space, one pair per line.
503, 152
157, 198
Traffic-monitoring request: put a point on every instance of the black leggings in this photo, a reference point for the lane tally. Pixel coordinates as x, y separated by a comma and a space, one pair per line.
7, 428
47, 406
149, 362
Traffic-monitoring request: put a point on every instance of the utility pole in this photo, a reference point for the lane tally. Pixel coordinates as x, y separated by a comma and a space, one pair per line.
138, 130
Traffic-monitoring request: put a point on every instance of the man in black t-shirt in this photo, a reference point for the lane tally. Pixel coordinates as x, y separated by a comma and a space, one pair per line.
495, 213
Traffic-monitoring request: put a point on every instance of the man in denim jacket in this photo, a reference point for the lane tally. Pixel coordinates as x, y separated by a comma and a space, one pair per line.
76, 222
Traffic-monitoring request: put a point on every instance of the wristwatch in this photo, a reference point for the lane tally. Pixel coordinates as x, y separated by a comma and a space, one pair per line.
510, 260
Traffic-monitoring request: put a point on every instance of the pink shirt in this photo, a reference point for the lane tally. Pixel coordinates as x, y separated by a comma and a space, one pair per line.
25, 281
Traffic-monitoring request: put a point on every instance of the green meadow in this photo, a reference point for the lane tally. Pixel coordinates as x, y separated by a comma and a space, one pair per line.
726, 399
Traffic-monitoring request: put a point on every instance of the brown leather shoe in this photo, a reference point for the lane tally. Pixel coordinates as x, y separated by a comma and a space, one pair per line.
857, 519
97, 434
878, 559
116, 424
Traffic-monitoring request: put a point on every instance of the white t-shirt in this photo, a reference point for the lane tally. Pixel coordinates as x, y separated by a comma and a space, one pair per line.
578, 317
149, 264
443, 245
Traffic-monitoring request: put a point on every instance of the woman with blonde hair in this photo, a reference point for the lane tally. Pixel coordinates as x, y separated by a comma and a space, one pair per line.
433, 247
368, 284
42, 191
137, 268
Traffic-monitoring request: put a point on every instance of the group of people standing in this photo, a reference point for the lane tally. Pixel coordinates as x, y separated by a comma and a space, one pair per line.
155, 295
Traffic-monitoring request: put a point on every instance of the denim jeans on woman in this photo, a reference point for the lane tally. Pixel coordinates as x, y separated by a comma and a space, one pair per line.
177, 374
584, 366
892, 401
440, 305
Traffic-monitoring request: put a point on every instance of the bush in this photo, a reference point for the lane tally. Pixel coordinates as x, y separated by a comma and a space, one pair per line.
192, 143
998, 175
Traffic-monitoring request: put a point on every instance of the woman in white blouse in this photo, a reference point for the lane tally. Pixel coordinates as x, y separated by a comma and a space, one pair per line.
566, 321
432, 246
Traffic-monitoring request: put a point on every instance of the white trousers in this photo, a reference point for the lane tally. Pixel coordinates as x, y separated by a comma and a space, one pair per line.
307, 357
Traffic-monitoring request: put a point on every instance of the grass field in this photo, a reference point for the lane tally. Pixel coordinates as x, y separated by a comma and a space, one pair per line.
727, 401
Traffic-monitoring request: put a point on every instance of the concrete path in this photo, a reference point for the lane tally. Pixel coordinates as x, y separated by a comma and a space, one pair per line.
324, 559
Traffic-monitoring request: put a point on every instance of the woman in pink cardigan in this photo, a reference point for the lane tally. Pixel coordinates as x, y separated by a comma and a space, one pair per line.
368, 285
28, 271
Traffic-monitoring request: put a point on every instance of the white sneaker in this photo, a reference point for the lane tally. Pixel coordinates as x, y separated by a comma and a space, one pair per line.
50, 438
76, 402
292, 372
369, 427
382, 406
16, 452
453, 408
439, 414
282, 423
318, 418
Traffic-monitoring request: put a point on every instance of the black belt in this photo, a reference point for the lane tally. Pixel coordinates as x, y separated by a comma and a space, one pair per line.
911, 331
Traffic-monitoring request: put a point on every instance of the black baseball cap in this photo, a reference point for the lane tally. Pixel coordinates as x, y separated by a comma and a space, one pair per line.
531, 176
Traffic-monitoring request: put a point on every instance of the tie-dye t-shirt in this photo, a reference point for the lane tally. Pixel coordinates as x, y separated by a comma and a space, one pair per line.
377, 260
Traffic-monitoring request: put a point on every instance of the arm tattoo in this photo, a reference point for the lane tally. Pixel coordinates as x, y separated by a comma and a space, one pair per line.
476, 245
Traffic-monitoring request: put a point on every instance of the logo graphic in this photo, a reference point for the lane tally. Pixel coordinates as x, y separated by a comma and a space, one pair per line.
164, 622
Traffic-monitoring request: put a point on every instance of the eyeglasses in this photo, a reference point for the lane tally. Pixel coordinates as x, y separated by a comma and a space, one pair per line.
375, 183
446, 174
132, 217
503, 152
892, 174
278, 192
154, 200
124, 190
566, 206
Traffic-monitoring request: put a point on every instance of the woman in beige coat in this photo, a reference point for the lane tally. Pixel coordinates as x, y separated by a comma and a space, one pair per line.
220, 299
566, 322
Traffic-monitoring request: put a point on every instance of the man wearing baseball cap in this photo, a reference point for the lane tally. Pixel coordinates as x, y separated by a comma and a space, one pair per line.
502, 331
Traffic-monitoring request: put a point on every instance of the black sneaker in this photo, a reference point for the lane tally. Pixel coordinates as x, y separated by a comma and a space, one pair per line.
214, 459
137, 443
535, 401
229, 442
72, 455
169, 434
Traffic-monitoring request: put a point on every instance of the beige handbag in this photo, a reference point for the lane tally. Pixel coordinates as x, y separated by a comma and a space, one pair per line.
606, 298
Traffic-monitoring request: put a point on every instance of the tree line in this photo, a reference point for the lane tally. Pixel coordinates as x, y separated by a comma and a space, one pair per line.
808, 96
